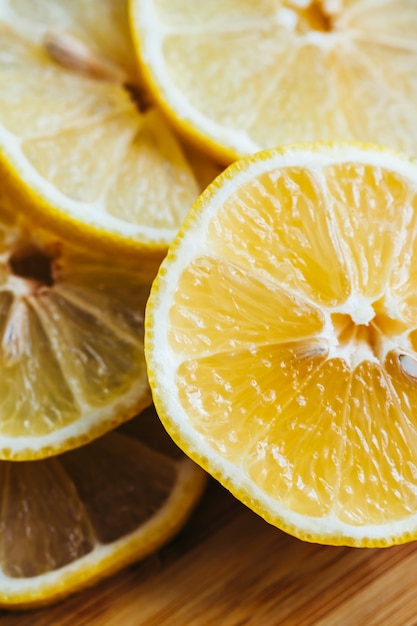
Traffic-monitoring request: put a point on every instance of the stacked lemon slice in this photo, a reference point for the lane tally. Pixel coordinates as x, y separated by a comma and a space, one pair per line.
94, 184
238, 76
281, 329
72, 519
282, 339
309, 419
79, 147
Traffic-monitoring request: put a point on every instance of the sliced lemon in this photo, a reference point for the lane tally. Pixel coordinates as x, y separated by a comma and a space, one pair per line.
79, 153
72, 520
281, 339
237, 76
71, 341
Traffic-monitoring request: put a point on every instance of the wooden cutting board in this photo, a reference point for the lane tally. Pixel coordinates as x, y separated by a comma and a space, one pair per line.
229, 568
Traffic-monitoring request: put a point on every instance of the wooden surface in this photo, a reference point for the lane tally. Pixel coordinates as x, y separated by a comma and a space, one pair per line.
229, 568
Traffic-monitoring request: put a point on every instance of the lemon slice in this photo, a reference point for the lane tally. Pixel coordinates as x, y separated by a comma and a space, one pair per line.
79, 153
281, 339
74, 519
71, 341
237, 76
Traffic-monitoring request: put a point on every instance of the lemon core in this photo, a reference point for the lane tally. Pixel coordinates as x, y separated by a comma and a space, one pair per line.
32, 264
303, 16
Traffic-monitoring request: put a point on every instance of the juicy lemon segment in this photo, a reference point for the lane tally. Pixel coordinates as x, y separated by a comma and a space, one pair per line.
280, 310
239, 76
281, 339
90, 511
71, 346
310, 264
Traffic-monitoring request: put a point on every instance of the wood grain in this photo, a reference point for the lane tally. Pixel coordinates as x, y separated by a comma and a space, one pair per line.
229, 568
